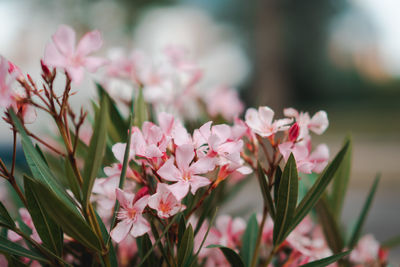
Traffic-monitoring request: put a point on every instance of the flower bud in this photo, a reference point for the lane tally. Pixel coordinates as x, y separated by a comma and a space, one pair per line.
294, 132
46, 71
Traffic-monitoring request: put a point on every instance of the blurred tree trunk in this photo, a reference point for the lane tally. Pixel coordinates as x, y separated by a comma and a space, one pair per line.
270, 82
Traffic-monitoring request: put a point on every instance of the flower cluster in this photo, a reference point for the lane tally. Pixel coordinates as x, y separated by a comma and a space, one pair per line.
151, 184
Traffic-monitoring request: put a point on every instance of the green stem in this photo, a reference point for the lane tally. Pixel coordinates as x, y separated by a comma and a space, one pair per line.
259, 237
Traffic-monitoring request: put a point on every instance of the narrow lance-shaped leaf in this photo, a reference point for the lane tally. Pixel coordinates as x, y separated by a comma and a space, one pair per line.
263, 182
340, 182
329, 226
38, 167
185, 249
12, 248
326, 261
278, 176
249, 240
72, 224
95, 155
364, 212
316, 191
50, 233
231, 256
286, 202
5, 218
144, 245
105, 235
140, 109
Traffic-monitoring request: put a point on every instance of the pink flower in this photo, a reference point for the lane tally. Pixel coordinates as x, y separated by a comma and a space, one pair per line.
317, 124
228, 231
174, 129
224, 101
306, 161
6, 80
26, 218
62, 53
116, 168
131, 219
186, 174
366, 251
165, 202
261, 121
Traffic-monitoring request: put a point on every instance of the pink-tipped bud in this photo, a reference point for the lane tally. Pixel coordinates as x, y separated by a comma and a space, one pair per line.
383, 254
294, 132
141, 193
45, 69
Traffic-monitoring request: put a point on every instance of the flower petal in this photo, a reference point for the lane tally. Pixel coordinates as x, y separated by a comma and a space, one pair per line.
140, 227
198, 181
203, 165
169, 172
319, 122
89, 43
121, 230
266, 115
64, 39
52, 56
184, 155
179, 189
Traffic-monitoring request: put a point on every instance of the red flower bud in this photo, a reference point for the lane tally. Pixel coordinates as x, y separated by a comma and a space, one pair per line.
141, 193
45, 69
294, 132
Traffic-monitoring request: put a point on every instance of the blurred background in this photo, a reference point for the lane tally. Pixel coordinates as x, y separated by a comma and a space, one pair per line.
342, 56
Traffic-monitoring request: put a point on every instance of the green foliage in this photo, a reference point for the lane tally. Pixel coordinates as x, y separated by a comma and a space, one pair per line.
5, 218
263, 182
144, 246
326, 261
96, 151
9, 247
249, 240
286, 202
71, 222
140, 110
363, 215
185, 249
50, 233
231, 256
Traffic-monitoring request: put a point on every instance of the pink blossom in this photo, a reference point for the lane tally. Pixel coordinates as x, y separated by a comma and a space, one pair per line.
228, 231
306, 161
63, 54
185, 173
224, 101
6, 80
261, 121
130, 216
116, 168
317, 124
26, 218
149, 143
165, 202
174, 129
366, 251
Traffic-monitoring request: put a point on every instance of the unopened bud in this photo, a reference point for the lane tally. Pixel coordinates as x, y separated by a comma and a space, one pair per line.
46, 71
294, 132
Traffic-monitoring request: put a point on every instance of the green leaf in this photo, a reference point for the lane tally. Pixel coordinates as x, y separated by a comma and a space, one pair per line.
38, 167
72, 223
5, 218
50, 233
363, 215
140, 110
12, 248
105, 235
329, 226
286, 202
249, 240
278, 176
181, 230
185, 249
263, 182
231, 256
326, 261
95, 155
160, 246
144, 245
340, 182
117, 126
72, 180
176, 217
316, 191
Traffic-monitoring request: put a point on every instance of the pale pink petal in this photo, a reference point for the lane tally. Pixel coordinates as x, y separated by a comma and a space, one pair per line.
305, 166
282, 124
319, 122
89, 43
285, 149
76, 73
184, 155
152, 151
64, 39
141, 203
93, 63
180, 135
53, 58
198, 181
245, 170
140, 226
124, 198
203, 165
169, 172
223, 131
119, 150
121, 230
266, 115
253, 120
291, 113
166, 122
205, 130
320, 157
179, 189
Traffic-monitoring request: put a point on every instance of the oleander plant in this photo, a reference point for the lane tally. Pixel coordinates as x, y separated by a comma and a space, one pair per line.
137, 176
